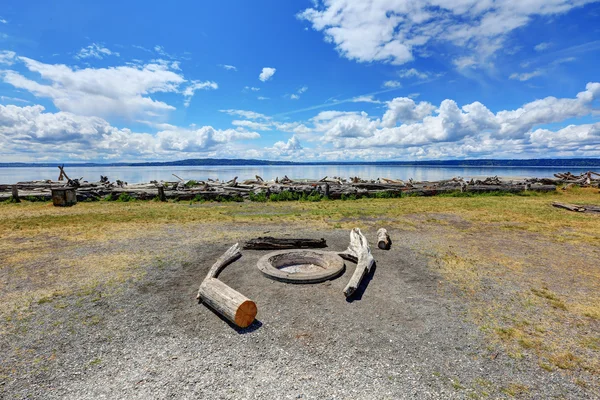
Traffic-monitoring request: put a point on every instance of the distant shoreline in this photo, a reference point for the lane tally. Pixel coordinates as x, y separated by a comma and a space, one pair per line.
507, 163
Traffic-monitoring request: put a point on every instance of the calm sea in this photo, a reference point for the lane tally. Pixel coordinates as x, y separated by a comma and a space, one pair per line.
146, 174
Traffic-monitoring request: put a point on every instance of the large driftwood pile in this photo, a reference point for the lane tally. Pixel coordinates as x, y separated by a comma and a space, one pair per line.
333, 188
586, 179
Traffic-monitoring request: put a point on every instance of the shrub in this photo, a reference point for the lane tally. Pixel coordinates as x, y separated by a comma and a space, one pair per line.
125, 197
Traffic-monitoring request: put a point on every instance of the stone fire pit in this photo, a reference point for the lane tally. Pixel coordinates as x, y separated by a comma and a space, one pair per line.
301, 266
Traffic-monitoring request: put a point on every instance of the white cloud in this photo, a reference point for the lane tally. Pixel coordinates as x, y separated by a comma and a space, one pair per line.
262, 98
228, 67
245, 114
291, 146
525, 76
406, 110
412, 73
542, 46
197, 85
3, 21
252, 88
393, 31
302, 89
7, 57
365, 99
258, 126
95, 50
123, 91
392, 84
422, 130
294, 97
32, 130
266, 74
464, 62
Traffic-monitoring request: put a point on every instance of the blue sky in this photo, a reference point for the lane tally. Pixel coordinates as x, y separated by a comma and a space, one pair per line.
304, 80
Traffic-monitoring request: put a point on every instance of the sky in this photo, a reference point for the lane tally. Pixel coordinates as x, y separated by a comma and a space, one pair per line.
329, 80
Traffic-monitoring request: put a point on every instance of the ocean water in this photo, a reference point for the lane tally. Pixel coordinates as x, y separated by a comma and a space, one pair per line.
146, 174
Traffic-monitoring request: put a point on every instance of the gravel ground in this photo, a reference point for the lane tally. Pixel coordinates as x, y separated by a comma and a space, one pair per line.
405, 336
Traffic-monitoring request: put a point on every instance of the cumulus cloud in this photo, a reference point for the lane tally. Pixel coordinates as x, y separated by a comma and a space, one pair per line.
406, 110
394, 31
95, 50
281, 149
294, 97
266, 74
31, 129
123, 91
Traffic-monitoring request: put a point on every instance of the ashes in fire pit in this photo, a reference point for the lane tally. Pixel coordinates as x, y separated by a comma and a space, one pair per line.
301, 266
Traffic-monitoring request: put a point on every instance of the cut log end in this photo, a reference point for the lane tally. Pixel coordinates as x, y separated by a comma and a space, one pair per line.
383, 239
246, 313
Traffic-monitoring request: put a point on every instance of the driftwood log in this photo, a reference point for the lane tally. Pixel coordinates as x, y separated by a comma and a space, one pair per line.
360, 252
224, 300
271, 243
383, 239
577, 208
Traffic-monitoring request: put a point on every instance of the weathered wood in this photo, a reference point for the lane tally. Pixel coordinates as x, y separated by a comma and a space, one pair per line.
570, 207
64, 197
224, 300
229, 303
15, 194
383, 239
271, 243
360, 251
578, 208
161, 193
232, 254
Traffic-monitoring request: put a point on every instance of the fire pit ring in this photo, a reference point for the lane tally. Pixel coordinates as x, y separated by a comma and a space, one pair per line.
301, 266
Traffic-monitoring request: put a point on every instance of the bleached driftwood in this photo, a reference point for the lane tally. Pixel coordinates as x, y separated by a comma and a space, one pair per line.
383, 239
358, 251
226, 301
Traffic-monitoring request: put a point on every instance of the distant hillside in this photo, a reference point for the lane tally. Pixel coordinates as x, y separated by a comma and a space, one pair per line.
542, 162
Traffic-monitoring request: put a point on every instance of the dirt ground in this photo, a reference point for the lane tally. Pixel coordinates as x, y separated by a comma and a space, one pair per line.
434, 320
